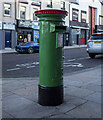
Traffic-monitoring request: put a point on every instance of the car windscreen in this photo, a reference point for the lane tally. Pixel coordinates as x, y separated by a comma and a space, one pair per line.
97, 37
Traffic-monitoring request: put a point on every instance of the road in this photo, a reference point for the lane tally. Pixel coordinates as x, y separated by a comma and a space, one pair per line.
27, 65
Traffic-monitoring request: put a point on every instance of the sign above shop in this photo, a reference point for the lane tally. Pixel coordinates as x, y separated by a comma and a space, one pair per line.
74, 1
0, 25
26, 24
9, 26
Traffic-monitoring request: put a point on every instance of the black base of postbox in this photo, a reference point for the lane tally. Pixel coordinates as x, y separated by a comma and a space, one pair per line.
50, 96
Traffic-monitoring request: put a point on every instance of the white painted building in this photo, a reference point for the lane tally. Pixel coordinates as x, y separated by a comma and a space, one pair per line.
84, 17
27, 22
7, 24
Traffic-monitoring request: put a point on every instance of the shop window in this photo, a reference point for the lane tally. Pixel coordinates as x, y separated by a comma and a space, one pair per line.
22, 12
7, 9
100, 20
34, 17
75, 14
62, 5
83, 16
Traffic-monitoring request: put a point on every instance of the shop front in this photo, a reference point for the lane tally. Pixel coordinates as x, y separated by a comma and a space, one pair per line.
24, 31
78, 33
8, 35
0, 35
36, 32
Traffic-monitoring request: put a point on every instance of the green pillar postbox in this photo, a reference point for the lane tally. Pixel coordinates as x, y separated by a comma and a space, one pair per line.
52, 27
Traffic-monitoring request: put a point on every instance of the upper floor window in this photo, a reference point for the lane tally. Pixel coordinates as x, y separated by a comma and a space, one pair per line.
75, 14
49, 3
83, 16
7, 9
100, 20
62, 5
22, 12
34, 17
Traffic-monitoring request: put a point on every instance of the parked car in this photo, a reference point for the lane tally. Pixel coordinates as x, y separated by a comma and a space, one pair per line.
29, 47
95, 45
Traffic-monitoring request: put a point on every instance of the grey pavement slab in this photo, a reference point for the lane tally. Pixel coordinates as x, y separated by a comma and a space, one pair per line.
6, 115
30, 92
11, 86
82, 96
96, 97
78, 92
60, 116
22, 108
86, 110
6, 93
93, 87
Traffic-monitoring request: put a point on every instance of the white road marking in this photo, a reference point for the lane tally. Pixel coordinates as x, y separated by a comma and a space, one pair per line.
31, 66
71, 60
13, 69
73, 65
83, 58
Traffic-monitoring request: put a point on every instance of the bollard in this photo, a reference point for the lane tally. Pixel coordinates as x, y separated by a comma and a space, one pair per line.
52, 27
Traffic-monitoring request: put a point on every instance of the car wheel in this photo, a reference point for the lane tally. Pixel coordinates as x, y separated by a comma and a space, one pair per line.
30, 50
92, 56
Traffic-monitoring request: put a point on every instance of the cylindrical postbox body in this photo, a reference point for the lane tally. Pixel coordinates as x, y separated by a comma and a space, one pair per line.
50, 54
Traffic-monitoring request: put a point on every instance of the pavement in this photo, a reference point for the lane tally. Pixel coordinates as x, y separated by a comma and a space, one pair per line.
9, 50
82, 97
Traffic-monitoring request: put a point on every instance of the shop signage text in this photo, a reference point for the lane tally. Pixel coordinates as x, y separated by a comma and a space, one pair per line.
27, 24
9, 26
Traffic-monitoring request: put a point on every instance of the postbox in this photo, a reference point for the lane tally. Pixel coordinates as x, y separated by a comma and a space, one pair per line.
52, 28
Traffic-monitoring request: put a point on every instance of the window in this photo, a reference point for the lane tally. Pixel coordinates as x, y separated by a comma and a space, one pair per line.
83, 16
75, 13
22, 12
62, 5
49, 3
7, 9
100, 20
34, 17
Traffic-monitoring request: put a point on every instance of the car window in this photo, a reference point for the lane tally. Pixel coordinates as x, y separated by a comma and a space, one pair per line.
96, 37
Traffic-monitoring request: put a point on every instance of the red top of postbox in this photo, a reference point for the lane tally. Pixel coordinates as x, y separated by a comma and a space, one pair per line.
51, 11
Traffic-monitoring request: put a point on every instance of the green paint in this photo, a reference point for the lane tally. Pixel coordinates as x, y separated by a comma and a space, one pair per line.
51, 62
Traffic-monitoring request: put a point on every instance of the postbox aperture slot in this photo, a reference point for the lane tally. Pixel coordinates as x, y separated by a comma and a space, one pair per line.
60, 28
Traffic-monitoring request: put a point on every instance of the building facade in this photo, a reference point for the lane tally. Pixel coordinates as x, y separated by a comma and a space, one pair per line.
18, 23
26, 21
84, 16
99, 28
7, 24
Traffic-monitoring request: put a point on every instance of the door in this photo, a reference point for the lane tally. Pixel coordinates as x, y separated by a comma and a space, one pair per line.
83, 36
7, 39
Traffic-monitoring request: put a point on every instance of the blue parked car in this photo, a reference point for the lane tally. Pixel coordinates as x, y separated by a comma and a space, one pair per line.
29, 47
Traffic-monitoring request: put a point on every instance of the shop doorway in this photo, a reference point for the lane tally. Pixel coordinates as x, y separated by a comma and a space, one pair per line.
7, 39
83, 36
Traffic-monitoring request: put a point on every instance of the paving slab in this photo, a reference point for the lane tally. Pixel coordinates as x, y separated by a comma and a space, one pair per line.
95, 97
6, 115
23, 108
82, 96
86, 110
78, 92
60, 116
30, 92
93, 87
